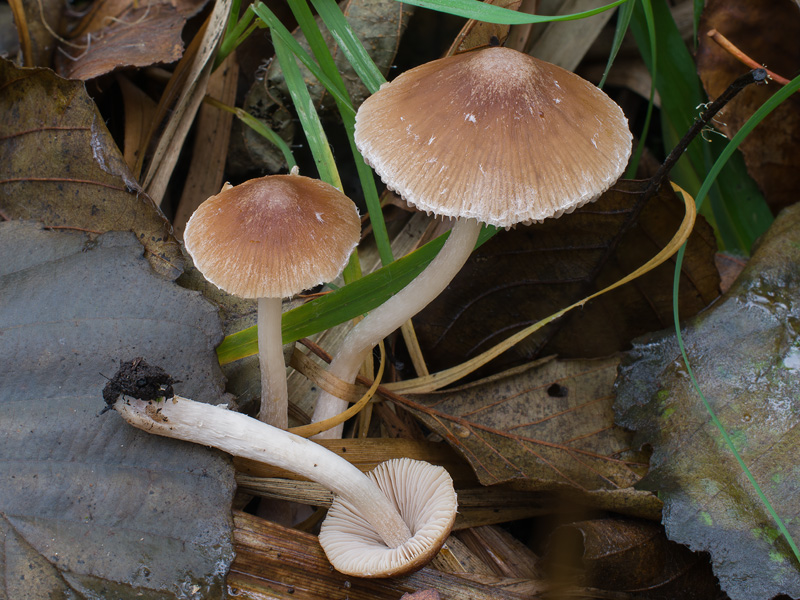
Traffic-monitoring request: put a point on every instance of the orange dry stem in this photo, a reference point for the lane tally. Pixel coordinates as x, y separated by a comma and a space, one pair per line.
741, 56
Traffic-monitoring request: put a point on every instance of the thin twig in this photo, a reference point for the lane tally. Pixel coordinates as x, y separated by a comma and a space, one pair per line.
758, 75
71, 228
729, 46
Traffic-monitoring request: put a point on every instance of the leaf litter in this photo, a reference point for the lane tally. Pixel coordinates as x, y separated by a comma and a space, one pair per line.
745, 353
543, 426
59, 165
90, 506
531, 272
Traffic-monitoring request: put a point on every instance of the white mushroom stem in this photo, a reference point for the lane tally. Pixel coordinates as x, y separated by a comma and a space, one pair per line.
393, 313
240, 435
274, 394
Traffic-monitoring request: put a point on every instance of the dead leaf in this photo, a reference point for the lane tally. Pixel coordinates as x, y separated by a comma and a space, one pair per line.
629, 556
549, 424
529, 273
104, 12
91, 507
59, 165
767, 31
42, 20
477, 34
745, 354
144, 35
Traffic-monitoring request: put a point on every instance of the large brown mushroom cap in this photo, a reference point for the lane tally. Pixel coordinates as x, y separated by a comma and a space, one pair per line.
274, 236
494, 135
425, 498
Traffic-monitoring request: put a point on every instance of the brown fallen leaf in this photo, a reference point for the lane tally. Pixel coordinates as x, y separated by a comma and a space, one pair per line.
59, 165
526, 274
476, 34
103, 12
550, 424
767, 31
210, 148
367, 453
139, 111
139, 37
629, 556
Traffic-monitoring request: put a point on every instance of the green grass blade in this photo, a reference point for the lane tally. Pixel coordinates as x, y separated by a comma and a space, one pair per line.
730, 148
623, 21
312, 127
323, 55
699, 5
257, 126
345, 303
633, 165
713, 174
279, 30
235, 32
349, 44
371, 196
309, 119
339, 306
489, 13
739, 209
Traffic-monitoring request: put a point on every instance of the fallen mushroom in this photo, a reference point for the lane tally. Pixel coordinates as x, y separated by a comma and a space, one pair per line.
388, 523
271, 238
493, 136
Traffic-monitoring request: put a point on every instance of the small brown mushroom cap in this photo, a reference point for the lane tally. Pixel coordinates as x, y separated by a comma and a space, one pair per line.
274, 236
495, 135
425, 498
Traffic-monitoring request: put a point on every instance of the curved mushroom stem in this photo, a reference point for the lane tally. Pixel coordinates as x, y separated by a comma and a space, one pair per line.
240, 435
274, 393
393, 313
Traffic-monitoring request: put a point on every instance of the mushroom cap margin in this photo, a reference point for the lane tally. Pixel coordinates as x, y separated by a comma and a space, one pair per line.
274, 236
494, 135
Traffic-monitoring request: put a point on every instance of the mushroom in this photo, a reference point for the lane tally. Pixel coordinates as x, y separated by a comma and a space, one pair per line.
390, 522
493, 136
270, 238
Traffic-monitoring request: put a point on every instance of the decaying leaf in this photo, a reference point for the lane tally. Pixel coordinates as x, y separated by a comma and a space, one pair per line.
767, 31
548, 425
526, 274
745, 353
41, 20
629, 556
141, 36
59, 165
89, 506
476, 34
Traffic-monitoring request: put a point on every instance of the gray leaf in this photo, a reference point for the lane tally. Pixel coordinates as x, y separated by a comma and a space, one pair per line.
90, 507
